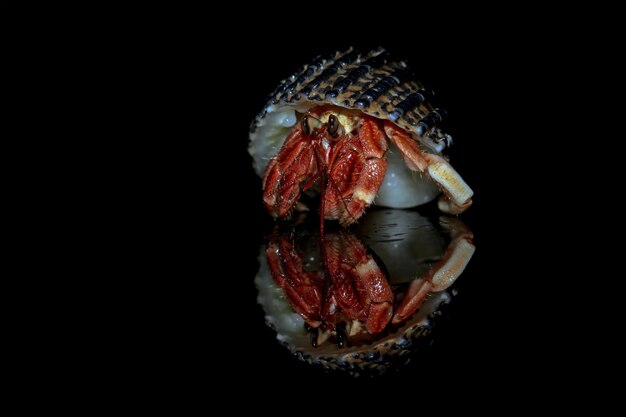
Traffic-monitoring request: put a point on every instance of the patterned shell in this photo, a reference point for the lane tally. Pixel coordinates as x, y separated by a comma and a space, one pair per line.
372, 83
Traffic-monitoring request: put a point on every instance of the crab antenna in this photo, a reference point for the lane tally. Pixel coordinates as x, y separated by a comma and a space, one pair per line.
322, 209
322, 245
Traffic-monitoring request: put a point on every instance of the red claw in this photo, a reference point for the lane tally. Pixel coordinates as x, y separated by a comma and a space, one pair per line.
358, 285
356, 169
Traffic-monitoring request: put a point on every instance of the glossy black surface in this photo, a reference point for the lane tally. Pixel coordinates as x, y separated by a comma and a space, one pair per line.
144, 290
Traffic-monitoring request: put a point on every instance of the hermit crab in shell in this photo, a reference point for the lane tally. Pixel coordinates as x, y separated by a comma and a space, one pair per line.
359, 130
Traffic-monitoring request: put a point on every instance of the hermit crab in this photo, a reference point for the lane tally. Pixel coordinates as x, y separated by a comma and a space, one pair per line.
359, 130
364, 297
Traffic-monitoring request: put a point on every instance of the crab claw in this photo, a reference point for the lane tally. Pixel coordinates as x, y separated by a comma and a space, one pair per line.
443, 274
357, 168
358, 286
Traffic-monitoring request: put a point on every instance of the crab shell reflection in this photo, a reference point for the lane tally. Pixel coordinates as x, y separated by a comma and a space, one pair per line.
360, 299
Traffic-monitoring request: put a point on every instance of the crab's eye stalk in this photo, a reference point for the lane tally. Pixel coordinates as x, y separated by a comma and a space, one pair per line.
309, 124
333, 125
305, 125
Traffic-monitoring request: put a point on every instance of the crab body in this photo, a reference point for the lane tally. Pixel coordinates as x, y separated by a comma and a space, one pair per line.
358, 128
346, 151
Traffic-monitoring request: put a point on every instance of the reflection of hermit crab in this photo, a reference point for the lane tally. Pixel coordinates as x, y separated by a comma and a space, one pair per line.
360, 298
349, 294
333, 121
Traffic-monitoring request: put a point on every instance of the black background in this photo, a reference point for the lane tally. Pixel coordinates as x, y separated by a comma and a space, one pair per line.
165, 220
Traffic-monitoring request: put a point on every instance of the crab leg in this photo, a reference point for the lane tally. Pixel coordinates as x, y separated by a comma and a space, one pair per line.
457, 194
443, 274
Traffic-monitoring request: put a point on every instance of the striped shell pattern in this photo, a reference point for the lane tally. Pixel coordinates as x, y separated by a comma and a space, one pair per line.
372, 83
